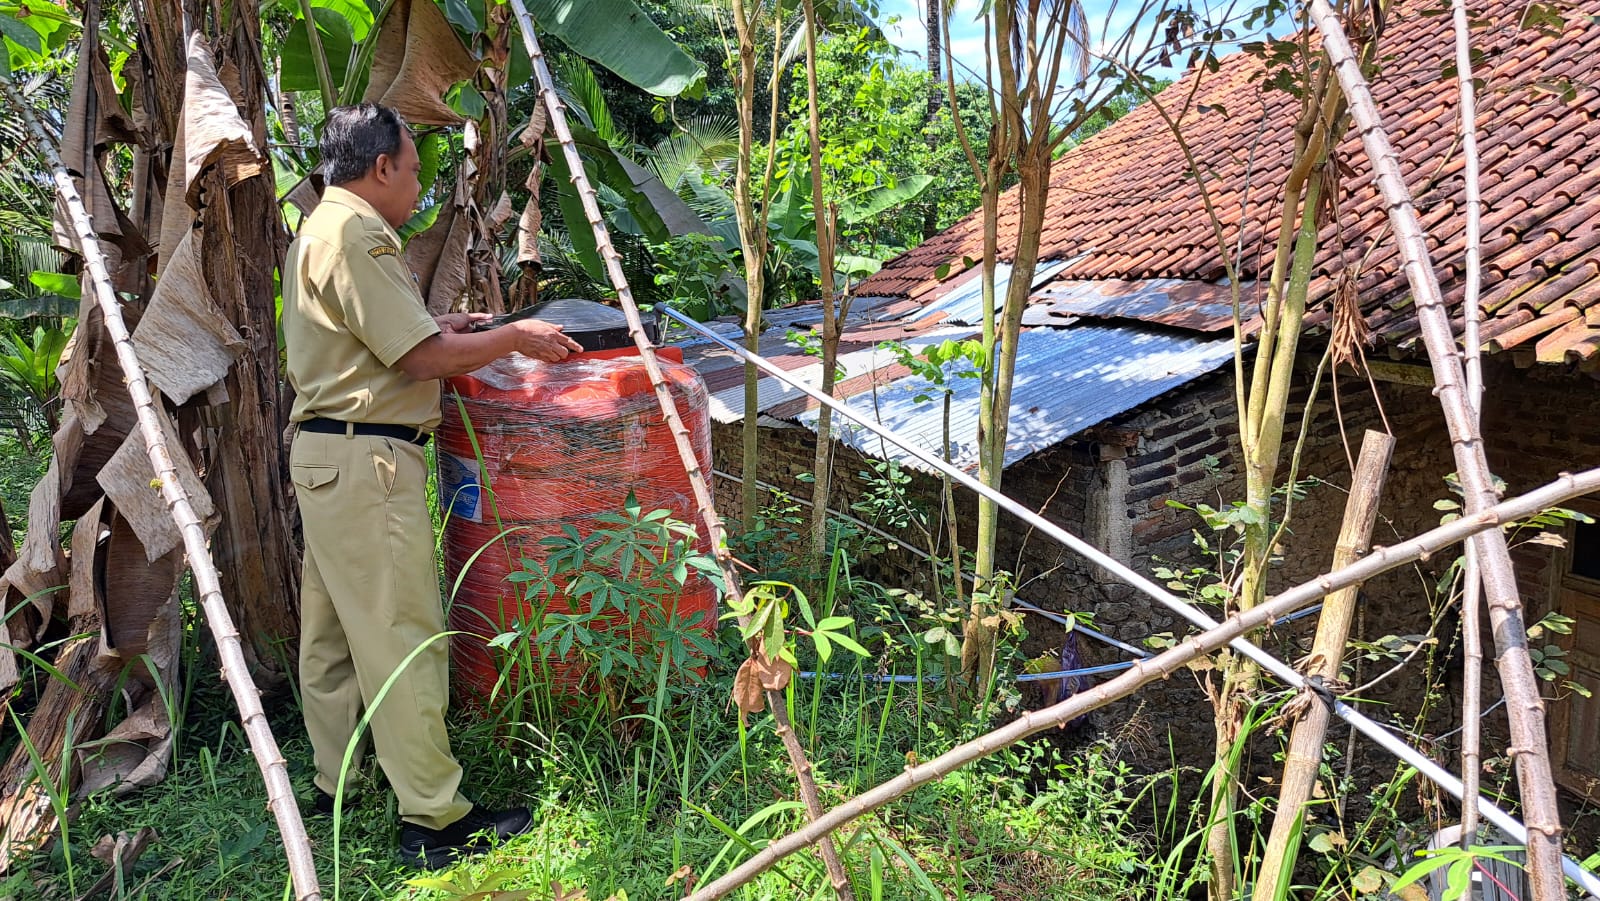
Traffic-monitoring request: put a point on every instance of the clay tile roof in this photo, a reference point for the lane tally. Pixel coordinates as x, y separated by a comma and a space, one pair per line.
1122, 205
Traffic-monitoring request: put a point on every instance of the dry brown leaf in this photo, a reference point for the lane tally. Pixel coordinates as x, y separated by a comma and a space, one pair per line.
8, 657
184, 341
137, 609
498, 214
130, 482
532, 136
209, 132
39, 564
82, 598
528, 224
119, 854
1350, 330
417, 60
112, 124
95, 390
748, 695
214, 133
177, 218
304, 195
93, 98
141, 629
774, 674
438, 256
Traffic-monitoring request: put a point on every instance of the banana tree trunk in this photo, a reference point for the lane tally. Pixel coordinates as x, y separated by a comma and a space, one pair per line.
244, 241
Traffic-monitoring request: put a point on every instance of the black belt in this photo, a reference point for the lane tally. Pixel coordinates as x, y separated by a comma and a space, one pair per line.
380, 429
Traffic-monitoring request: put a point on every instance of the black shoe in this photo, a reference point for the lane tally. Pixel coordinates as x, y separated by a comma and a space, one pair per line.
434, 849
322, 803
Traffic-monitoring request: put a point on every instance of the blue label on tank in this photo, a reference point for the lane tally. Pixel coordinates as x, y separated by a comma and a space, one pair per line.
459, 494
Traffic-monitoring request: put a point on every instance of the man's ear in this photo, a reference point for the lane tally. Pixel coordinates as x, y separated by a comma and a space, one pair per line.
383, 168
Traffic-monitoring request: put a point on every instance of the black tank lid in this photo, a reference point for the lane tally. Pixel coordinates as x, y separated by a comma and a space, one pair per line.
593, 325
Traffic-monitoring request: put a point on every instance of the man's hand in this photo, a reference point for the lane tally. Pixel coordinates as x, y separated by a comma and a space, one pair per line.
542, 341
459, 323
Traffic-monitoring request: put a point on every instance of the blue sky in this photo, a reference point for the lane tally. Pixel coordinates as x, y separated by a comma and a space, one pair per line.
966, 32
1107, 20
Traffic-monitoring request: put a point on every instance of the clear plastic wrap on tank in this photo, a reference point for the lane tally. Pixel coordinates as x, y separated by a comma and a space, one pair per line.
559, 444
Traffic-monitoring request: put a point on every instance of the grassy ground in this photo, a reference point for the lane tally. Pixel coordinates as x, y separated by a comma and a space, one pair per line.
623, 804
623, 813
20, 470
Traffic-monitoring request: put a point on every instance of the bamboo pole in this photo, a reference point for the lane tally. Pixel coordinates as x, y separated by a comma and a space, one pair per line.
1173, 660
1472, 587
697, 480
1304, 756
235, 670
1529, 743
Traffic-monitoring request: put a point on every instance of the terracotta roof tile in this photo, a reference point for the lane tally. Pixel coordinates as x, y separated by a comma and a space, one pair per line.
1122, 202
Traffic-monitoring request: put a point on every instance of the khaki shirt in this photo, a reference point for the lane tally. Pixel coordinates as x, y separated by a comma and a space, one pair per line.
351, 310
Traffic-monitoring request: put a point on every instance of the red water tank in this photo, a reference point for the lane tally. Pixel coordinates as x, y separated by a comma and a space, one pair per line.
555, 445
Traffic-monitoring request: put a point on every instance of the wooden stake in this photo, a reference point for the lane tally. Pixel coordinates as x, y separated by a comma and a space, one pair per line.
1327, 654
235, 670
680, 433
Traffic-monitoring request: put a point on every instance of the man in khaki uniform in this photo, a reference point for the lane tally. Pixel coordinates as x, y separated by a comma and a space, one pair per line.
364, 360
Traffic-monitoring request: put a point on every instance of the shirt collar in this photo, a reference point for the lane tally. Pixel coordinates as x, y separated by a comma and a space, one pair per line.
355, 202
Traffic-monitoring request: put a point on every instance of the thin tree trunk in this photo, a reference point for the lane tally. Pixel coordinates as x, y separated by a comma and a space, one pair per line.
709, 520
1529, 742
1143, 672
930, 213
235, 668
833, 307
1304, 756
978, 638
753, 241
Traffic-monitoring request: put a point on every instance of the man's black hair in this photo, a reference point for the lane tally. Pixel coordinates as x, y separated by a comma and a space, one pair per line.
355, 136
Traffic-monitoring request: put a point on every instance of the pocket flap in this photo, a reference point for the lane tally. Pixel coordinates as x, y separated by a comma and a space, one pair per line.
313, 475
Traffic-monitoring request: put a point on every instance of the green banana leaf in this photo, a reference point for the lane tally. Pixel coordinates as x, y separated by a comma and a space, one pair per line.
578, 228
619, 36
299, 64
874, 201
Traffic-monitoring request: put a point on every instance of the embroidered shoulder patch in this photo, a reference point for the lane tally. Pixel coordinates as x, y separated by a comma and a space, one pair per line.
382, 250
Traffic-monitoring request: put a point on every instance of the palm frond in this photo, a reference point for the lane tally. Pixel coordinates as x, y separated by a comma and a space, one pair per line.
578, 87
705, 143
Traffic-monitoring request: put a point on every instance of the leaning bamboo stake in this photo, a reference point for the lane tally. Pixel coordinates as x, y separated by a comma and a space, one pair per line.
274, 772
1162, 666
1471, 344
1304, 756
680, 433
1529, 744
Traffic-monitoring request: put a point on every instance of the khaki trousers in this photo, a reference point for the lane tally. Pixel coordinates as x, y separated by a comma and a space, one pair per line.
369, 597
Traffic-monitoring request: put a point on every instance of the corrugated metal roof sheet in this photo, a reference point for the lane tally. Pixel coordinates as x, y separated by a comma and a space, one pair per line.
1200, 306
1091, 365
963, 303
1067, 380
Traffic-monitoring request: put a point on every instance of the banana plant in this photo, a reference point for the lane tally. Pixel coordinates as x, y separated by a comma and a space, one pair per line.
28, 371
